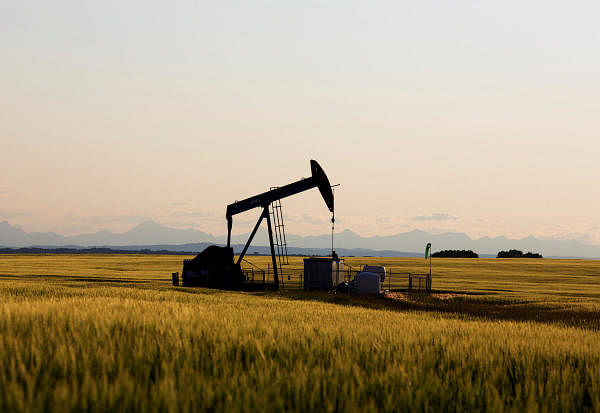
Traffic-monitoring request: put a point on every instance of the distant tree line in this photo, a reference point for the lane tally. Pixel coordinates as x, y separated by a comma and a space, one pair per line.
517, 254
455, 254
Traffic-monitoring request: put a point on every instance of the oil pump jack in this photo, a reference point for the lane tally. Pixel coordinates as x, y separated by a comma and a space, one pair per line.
215, 267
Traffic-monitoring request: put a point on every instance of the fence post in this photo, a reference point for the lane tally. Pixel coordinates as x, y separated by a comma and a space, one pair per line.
409, 281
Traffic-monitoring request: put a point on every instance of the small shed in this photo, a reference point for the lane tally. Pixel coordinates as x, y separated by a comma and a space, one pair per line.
323, 273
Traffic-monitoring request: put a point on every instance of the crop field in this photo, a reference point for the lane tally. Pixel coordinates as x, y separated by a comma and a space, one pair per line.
110, 332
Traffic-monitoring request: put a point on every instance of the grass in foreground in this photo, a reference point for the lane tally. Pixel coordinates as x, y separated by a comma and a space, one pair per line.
116, 335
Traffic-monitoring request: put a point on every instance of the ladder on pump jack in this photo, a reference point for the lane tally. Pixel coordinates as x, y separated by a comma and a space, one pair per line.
280, 242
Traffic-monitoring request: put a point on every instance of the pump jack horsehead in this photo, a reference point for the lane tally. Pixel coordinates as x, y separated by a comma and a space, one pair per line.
214, 267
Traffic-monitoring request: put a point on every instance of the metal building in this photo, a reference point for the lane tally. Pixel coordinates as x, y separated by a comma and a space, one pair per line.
321, 273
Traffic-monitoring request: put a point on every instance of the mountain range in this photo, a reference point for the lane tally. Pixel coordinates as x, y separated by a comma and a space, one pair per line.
150, 233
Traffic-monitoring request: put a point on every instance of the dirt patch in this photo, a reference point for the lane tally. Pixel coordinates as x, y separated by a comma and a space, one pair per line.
396, 296
407, 297
447, 296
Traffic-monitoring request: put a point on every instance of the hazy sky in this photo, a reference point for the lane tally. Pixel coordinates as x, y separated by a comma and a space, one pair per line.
480, 117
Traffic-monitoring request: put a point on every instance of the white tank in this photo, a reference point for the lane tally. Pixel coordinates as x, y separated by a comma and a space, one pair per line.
367, 283
377, 269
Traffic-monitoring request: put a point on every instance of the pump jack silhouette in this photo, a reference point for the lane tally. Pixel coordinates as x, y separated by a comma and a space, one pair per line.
214, 267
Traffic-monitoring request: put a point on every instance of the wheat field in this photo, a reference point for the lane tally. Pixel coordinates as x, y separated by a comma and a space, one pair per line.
102, 332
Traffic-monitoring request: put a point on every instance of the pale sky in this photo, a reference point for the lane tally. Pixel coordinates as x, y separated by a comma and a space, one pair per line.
478, 117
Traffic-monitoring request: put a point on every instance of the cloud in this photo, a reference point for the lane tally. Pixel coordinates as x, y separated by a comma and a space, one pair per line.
582, 237
435, 217
3, 192
306, 219
438, 231
383, 220
190, 214
183, 224
309, 219
14, 214
107, 219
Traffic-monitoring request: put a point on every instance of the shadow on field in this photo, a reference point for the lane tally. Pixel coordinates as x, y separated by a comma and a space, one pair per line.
461, 304
76, 278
